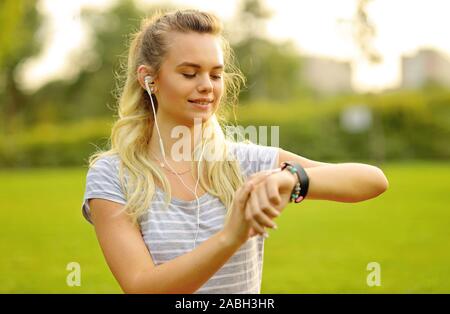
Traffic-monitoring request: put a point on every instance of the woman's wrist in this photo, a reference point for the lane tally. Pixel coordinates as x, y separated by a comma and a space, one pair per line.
290, 179
229, 240
300, 189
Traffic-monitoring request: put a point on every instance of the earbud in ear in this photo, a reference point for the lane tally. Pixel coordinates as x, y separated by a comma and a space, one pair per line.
148, 80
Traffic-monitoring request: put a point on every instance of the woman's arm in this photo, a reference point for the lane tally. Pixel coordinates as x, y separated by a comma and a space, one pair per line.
130, 262
345, 182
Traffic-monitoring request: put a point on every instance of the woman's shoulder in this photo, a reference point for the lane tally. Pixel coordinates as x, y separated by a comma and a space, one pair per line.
250, 149
109, 161
104, 166
254, 157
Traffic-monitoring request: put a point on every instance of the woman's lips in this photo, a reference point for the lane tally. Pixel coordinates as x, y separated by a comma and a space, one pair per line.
200, 105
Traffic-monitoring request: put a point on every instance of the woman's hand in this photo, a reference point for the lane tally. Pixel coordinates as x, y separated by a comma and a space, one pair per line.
237, 228
268, 198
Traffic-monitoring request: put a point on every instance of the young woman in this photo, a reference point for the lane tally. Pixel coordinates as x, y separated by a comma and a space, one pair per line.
188, 215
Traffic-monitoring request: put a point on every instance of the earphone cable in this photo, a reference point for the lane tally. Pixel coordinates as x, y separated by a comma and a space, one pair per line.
164, 156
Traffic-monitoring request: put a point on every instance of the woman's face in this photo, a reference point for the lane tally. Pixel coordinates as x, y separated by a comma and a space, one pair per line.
190, 81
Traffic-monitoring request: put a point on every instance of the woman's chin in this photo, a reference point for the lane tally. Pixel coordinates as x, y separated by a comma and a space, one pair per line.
204, 114
193, 118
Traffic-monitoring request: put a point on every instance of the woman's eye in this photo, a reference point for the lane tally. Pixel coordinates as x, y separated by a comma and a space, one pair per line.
214, 77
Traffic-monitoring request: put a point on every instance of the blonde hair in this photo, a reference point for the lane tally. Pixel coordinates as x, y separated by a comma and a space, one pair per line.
131, 133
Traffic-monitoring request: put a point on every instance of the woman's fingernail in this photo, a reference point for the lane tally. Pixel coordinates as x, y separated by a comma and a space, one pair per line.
275, 227
265, 235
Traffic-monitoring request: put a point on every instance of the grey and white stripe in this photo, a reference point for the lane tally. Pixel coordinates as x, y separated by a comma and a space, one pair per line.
169, 233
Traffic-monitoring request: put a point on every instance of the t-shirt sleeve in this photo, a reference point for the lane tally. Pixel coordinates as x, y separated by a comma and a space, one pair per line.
102, 181
255, 158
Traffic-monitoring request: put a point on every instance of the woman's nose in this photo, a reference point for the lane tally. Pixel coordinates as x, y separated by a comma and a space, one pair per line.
205, 84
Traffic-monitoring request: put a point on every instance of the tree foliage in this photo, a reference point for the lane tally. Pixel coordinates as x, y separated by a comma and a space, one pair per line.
19, 22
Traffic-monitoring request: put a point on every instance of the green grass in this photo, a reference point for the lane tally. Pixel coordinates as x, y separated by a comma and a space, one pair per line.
324, 247
320, 247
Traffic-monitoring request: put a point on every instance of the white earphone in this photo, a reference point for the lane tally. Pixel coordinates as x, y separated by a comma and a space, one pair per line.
147, 81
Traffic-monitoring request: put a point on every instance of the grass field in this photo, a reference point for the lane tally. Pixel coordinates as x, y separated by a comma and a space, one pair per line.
320, 247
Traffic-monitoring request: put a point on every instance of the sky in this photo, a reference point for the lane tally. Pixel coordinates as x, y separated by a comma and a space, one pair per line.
316, 27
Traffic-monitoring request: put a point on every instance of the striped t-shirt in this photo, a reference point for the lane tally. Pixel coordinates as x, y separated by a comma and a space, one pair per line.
169, 233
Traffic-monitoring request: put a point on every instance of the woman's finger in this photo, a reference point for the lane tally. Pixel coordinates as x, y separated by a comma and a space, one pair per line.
264, 208
258, 177
271, 212
257, 227
272, 192
270, 209
258, 216
251, 232
249, 215
243, 194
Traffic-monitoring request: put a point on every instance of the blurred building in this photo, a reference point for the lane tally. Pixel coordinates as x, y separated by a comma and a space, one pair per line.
326, 75
426, 66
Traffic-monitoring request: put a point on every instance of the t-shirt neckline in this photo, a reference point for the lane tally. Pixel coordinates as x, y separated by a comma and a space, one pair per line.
179, 201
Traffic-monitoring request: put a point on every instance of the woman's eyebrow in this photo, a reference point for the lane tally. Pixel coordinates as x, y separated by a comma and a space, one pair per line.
194, 65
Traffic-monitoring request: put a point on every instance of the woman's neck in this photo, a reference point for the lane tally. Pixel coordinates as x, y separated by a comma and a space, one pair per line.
178, 140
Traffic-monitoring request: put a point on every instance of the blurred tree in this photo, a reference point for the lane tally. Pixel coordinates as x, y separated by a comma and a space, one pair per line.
249, 21
364, 34
19, 22
273, 70
93, 93
365, 31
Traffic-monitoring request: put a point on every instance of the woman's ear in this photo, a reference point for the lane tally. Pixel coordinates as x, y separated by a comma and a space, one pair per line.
144, 71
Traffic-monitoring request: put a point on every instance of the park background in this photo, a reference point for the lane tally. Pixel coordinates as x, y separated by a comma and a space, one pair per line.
50, 126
